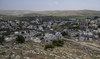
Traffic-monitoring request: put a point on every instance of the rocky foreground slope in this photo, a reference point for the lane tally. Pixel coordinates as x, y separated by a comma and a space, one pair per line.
31, 50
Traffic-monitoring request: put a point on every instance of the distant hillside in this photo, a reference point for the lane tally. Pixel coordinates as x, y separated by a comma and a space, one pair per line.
14, 12
71, 13
50, 13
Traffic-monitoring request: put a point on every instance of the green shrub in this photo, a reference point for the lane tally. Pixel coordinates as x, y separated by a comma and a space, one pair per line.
2, 39
47, 46
63, 33
20, 39
58, 42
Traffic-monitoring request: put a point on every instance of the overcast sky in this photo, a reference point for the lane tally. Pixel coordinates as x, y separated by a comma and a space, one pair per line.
41, 5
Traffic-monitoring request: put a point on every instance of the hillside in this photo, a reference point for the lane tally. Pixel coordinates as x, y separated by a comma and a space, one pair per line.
50, 13
71, 13
31, 50
14, 12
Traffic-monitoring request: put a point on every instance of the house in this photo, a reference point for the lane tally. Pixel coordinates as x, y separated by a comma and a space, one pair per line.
28, 37
49, 37
17, 33
58, 35
71, 33
28, 34
40, 28
10, 38
30, 27
37, 40
86, 36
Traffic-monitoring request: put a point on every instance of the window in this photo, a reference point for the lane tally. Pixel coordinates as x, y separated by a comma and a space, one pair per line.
46, 40
25, 36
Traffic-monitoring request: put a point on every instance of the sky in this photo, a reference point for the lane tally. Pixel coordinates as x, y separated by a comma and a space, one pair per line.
42, 5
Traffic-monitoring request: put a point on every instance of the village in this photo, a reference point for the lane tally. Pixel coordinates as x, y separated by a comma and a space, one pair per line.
49, 29
39, 31
46, 29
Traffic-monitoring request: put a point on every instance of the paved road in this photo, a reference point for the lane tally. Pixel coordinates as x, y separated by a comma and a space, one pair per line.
92, 47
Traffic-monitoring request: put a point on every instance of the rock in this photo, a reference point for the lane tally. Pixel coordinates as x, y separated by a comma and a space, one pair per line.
17, 57
46, 57
12, 56
56, 58
77, 58
64, 57
26, 57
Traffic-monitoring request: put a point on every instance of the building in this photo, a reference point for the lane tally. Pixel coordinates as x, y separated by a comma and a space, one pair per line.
49, 37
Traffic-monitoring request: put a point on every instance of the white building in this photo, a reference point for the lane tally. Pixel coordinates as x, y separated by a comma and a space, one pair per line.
86, 36
37, 40
49, 37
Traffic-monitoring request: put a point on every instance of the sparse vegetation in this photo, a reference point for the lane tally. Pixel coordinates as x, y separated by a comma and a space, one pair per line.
47, 46
58, 42
64, 33
2, 39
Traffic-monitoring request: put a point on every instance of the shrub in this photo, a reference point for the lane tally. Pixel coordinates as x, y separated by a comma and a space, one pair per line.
47, 46
20, 39
2, 39
63, 33
58, 42
98, 26
96, 17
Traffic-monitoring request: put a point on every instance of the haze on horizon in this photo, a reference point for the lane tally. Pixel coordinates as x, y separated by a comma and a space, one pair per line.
42, 5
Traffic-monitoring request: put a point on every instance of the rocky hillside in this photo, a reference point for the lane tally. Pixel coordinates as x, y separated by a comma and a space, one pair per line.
31, 50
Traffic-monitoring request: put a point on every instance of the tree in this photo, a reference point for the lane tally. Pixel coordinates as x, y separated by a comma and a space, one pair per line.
96, 17
98, 26
2, 39
20, 39
63, 33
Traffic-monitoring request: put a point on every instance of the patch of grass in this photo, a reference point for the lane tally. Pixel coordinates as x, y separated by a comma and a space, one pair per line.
48, 46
